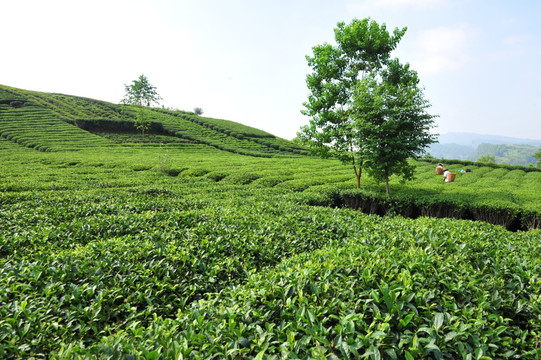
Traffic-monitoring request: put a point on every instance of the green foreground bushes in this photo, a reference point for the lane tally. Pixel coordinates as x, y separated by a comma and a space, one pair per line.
392, 288
105, 255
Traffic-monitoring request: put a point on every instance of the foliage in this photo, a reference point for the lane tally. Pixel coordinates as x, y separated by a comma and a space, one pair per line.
378, 298
198, 111
391, 119
507, 154
487, 159
140, 93
363, 47
538, 157
102, 256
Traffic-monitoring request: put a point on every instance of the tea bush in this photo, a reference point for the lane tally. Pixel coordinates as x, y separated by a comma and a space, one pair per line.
395, 289
105, 253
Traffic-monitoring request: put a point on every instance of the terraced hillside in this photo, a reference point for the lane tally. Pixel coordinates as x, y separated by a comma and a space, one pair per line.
37, 121
53, 122
211, 240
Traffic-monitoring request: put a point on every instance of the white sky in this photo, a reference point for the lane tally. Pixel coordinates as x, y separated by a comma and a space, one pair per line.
244, 60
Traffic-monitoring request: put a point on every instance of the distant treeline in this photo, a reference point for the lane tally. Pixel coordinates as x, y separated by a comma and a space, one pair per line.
503, 153
508, 154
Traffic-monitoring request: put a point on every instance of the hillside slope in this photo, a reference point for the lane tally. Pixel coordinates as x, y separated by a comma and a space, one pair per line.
53, 122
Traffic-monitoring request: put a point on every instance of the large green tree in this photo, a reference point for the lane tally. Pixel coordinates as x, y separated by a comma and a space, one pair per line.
362, 47
140, 93
391, 121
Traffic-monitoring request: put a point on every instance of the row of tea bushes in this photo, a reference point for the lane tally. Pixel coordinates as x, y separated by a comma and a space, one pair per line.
257, 138
102, 254
395, 289
510, 216
39, 128
82, 266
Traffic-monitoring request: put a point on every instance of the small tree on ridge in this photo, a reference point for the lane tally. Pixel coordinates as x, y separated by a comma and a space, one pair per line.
140, 93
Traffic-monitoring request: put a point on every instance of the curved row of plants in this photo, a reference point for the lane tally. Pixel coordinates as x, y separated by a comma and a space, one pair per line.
391, 289
509, 216
182, 125
241, 132
103, 255
495, 194
39, 128
225, 126
500, 196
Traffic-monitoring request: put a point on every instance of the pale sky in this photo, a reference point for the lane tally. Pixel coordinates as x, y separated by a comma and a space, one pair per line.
244, 60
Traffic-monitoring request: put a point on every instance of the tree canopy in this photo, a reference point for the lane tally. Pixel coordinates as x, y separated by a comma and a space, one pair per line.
360, 98
491, 159
391, 122
141, 93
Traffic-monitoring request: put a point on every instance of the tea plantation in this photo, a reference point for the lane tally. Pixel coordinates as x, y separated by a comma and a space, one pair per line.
210, 239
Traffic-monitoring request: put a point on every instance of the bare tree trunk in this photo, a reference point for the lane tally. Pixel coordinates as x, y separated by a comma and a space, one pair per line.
359, 172
142, 123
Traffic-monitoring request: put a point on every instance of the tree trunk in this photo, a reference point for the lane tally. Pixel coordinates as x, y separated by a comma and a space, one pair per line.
359, 172
141, 120
143, 123
387, 184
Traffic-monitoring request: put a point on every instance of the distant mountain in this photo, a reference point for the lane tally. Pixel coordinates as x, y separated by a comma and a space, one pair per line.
473, 140
470, 146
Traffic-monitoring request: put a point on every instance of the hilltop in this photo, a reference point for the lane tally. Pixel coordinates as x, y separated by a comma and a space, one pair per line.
53, 122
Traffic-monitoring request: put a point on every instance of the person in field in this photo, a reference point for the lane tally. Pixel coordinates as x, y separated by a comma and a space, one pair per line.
446, 175
439, 169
